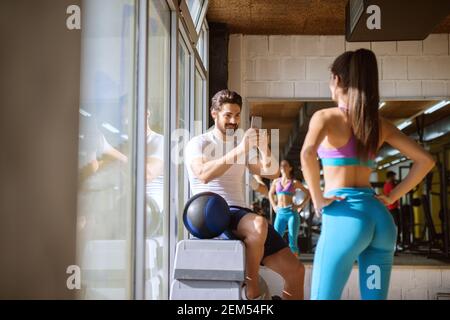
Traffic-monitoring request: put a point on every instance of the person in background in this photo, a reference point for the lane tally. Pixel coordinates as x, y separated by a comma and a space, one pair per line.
287, 212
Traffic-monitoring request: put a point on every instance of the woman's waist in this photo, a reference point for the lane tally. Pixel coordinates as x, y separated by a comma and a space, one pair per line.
336, 178
284, 209
345, 191
284, 201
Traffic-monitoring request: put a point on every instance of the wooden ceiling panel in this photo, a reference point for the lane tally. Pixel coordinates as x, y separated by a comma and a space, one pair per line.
312, 17
399, 111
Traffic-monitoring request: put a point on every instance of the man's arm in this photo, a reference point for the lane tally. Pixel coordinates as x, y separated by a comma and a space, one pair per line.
258, 185
155, 168
207, 170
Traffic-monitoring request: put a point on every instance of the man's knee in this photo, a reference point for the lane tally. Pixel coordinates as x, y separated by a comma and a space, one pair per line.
261, 225
256, 229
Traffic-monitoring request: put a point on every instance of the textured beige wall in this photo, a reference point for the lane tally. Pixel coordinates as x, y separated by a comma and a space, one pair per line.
39, 100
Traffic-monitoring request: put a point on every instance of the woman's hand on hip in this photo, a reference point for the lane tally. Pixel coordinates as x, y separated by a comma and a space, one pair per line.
386, 200
324, 202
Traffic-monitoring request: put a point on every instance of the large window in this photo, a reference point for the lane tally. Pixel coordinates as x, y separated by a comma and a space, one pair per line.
105, 193
158, 104
134, 68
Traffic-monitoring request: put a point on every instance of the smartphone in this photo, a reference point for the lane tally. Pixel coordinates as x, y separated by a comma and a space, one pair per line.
256, 122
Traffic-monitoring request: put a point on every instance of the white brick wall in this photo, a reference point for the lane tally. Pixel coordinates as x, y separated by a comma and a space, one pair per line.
436, 44
234, 47
306, 46
267, 69
408, 88
434, 88
395, 68
234, 75
298, 66
249, 70
293, 68
281, 89
351, 46
409, 48
280, 46
255, 46
387, 88
384, 48
318, 68
307, 89
420, 68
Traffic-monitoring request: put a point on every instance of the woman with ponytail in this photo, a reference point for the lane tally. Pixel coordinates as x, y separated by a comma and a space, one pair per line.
355, 222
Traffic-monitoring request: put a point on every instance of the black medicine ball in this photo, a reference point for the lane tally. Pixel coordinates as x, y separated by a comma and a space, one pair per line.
206, 215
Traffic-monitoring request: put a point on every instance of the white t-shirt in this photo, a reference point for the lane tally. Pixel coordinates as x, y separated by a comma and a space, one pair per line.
155, 149
231, 184
93, 144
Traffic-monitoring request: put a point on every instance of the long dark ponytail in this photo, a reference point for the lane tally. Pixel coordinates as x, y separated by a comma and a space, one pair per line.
358, 77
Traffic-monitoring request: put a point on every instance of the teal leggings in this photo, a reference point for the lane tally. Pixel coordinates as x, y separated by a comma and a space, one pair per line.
287, 217
357, 228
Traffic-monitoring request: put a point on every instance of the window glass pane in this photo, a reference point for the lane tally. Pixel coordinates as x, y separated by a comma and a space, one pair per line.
205, 46
183, 105
201, 45
199, 103
195, 7
105, 198
157, 250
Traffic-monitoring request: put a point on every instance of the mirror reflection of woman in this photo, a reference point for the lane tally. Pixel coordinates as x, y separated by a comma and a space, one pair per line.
287, 212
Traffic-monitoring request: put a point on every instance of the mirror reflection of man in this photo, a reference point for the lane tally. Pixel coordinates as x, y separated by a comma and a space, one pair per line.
95, 151
154, 166
213, 164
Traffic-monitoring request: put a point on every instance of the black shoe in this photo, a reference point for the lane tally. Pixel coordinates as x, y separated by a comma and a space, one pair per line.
276, 298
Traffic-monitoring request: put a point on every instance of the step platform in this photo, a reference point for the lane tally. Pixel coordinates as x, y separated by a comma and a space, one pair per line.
220, 260
205, 290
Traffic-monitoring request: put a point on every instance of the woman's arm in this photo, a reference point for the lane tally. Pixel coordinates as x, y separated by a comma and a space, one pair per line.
299, 185
309, 163
272, 194
423, 161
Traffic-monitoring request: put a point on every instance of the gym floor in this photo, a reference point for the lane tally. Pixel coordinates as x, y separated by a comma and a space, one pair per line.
401, 259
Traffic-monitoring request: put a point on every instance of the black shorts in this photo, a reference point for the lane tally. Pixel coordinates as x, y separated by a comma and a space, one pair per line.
274, 242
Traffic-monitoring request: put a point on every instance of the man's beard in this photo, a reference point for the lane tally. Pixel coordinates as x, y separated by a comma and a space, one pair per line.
229, 129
